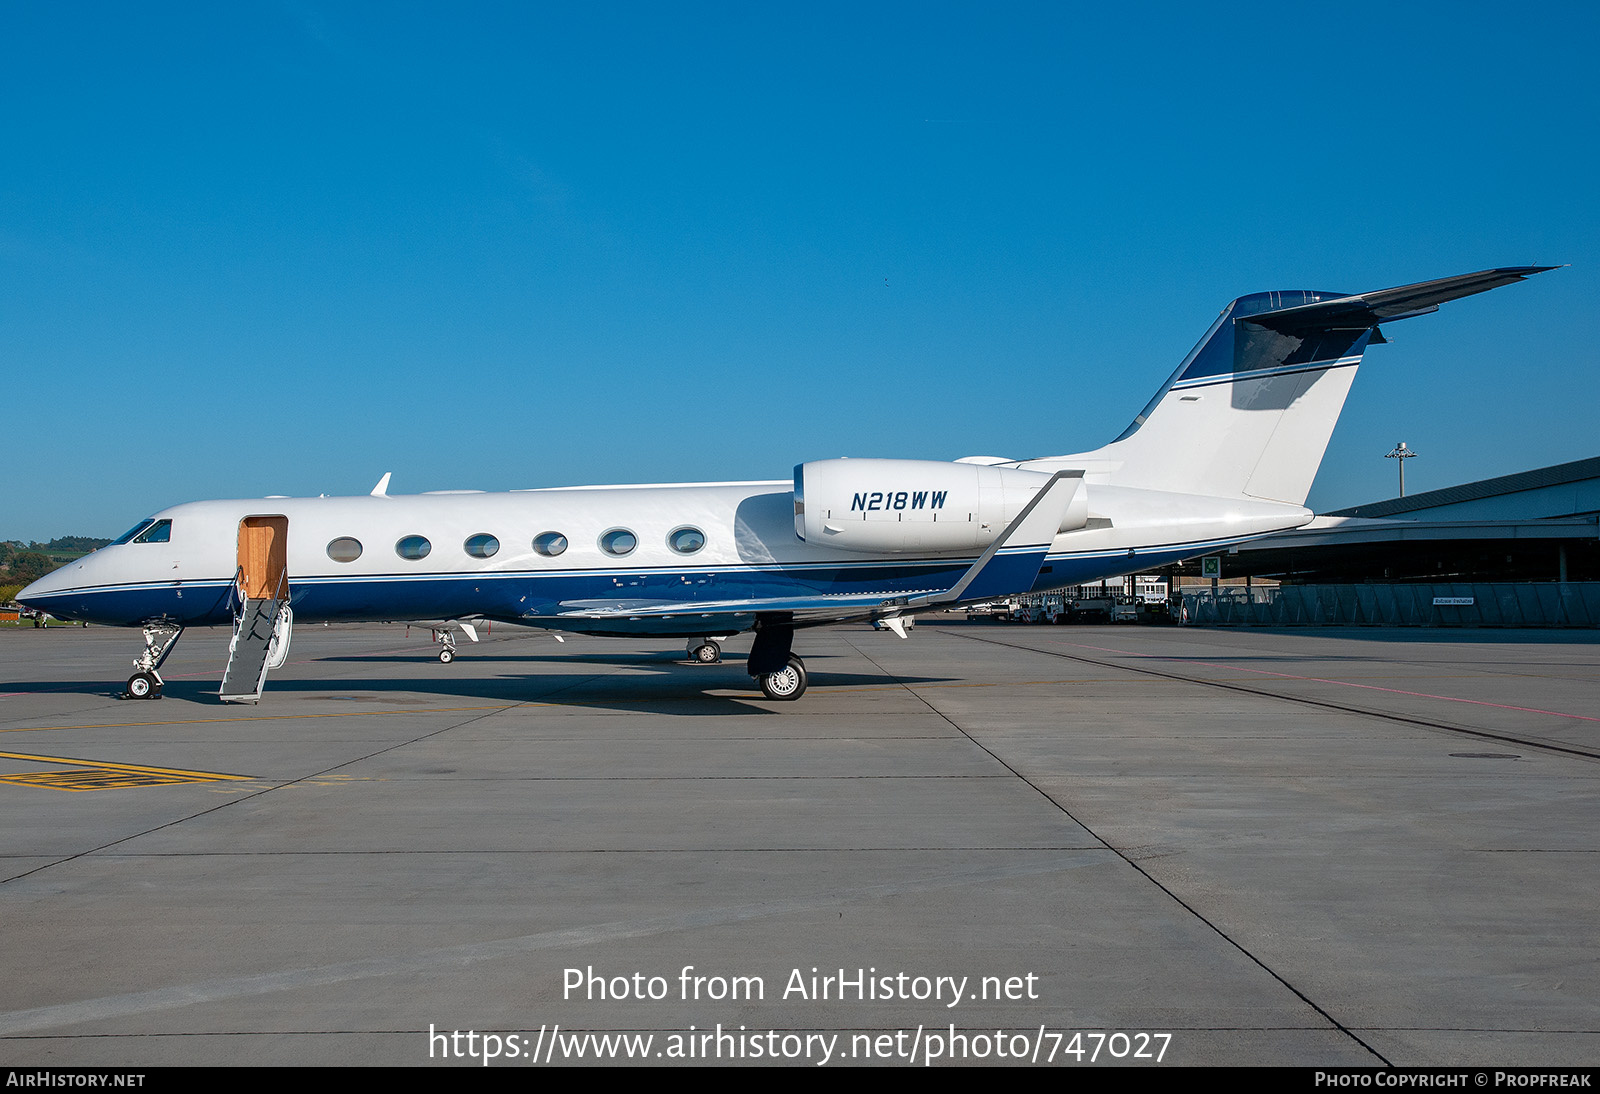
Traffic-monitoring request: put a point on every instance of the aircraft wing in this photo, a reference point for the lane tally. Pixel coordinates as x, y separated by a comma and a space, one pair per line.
820, 608
1009, 564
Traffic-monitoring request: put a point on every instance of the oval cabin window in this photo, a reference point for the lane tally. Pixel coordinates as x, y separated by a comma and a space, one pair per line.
686, 541
550, 544
619, 542
344, 549
413, 547
482, 545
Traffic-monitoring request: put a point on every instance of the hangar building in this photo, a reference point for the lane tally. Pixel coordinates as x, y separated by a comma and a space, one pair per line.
1518, 550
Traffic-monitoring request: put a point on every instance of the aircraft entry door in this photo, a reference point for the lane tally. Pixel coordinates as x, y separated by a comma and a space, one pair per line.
262, 620
264, 557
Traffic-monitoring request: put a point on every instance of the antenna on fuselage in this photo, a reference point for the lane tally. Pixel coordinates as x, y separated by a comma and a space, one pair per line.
382, 489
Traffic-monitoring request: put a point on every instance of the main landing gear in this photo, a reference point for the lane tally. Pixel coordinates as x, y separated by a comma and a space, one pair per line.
159, 638
787, 683
780, 672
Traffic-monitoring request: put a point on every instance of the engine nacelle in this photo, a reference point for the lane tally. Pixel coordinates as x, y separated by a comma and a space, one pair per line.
921, 506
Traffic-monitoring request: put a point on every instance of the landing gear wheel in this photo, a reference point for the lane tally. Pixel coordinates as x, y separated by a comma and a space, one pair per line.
142, 685
787, 684
446, 655
705, 653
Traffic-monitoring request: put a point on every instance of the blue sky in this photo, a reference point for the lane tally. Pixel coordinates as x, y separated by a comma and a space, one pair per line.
284, 249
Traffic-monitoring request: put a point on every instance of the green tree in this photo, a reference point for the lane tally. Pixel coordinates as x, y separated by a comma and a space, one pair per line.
26, 566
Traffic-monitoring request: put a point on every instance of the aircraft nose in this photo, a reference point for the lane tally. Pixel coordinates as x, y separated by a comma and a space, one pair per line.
45, 586
57, 581
68, 592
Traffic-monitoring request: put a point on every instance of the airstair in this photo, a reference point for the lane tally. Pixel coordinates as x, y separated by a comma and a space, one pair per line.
262, 618
261, 629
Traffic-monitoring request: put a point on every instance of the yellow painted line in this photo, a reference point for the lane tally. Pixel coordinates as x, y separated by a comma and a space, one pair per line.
82, 779
137, 769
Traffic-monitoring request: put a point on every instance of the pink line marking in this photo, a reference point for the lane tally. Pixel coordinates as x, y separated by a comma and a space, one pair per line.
1343, 683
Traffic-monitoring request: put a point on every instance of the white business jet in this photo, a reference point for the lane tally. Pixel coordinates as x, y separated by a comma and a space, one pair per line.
1226, 451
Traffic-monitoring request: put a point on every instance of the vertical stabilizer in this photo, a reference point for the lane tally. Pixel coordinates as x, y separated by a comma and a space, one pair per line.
1250, 411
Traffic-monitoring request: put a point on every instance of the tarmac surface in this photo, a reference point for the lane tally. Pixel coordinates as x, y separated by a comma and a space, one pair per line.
1311, 847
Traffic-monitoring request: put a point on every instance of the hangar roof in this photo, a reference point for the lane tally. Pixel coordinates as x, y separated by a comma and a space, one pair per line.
1563, 490
1536, 525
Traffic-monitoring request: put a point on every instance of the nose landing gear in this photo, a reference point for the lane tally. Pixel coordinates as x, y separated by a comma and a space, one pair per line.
159, 638
705, 651
447, 645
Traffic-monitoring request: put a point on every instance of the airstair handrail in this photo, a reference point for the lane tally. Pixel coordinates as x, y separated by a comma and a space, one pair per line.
236, 592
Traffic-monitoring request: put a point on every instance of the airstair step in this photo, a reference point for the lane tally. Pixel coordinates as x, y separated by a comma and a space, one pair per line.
247, 656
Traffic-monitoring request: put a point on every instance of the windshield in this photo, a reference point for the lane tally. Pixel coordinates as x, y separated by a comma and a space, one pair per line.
159, 532
131, 532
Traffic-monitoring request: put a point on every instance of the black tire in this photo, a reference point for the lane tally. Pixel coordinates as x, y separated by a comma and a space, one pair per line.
705, 653
446, 655
787, 685
142, 685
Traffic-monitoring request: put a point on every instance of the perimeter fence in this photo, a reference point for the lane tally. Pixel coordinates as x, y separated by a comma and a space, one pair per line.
1498, 604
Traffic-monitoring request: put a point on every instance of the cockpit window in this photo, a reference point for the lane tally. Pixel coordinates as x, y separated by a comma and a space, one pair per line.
131, 532
158, 532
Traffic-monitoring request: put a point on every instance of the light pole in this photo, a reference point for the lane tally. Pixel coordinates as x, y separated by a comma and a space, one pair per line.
1402, 454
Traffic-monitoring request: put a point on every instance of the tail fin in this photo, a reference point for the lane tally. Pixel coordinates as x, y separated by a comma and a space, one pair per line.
1250, 410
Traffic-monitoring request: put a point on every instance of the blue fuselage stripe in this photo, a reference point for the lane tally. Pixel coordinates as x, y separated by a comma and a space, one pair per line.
536, 597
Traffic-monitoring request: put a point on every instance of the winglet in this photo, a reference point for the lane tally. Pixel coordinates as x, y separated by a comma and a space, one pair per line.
1035, 527
382, 489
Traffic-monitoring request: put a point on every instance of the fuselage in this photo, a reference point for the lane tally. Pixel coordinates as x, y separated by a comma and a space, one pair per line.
1225, 451
529, 556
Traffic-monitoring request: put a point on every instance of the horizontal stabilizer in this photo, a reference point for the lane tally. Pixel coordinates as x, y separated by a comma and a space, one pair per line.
1368, 309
